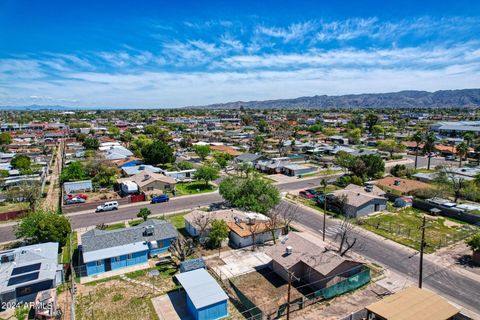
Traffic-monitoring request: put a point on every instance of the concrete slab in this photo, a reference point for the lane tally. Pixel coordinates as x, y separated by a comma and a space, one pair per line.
114, 273
171, 306
242, 261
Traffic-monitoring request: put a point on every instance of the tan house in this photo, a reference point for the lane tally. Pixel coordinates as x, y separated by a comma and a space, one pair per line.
150, 182
412, 303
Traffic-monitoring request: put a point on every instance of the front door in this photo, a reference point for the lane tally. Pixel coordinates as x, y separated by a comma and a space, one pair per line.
108, 265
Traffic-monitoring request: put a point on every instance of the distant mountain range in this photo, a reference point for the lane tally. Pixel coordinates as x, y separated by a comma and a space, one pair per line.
402, 99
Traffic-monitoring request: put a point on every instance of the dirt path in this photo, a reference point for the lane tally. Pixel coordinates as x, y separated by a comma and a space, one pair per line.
53, 194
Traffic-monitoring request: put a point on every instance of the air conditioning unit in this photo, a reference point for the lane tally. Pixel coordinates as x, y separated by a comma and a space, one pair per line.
288, 250
148, 231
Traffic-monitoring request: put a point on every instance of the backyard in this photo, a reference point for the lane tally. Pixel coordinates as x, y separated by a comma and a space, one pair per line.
405, 227
194, 187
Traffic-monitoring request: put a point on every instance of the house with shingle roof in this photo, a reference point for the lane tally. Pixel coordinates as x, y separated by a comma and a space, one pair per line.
104, 251
360, 201
310, 262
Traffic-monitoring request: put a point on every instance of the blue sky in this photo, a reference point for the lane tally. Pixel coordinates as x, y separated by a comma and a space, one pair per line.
180, 53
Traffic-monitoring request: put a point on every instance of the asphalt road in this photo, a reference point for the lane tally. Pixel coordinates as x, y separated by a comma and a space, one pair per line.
81, 220
456, 287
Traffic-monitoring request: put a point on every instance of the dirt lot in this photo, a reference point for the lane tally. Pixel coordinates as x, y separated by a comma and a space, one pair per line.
342, 306
265, 289
120, 299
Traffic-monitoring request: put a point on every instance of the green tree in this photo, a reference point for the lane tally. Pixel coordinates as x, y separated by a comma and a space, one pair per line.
374, 164
391, 146
377, 130
158, 152
4, 173
252, 193
184, 165
258, 143
222, 159
202, 151
218, 232
262, 126
371, 119
418, 138
474, 242
144, 213
5, 138
74, 171
207, 173
91, 143
429, 145
354, 135
25, 191
44, 226
21, 162
462, 151
344, 159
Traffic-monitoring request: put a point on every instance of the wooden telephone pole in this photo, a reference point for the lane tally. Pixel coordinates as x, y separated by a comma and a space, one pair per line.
290, 276
422, 245
324, 184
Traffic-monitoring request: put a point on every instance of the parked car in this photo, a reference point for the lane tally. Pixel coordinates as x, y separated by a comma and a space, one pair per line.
160, 198
312, 191
107, 206
75, 200
450, 158
79, 195
305, 194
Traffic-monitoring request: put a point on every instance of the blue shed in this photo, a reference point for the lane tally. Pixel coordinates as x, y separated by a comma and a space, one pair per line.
206, 300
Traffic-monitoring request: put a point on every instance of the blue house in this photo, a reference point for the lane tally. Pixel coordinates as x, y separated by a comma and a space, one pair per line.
206, 300
104, 251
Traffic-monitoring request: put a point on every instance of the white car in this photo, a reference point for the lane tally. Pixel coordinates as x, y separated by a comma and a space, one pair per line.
107, 206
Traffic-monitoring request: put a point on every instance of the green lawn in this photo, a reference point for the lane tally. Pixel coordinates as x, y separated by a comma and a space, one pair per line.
194, 187
405, 227
115, 226
67, 252
8, 206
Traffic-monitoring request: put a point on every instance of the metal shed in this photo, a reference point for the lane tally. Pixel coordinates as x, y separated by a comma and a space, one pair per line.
77, 186
206, 300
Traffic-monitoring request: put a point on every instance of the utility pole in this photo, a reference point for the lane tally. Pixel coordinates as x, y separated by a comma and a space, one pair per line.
324, 184
290, 275
422, 245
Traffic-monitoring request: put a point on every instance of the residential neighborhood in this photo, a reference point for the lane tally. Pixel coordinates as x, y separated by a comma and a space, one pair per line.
175, 210
239, 160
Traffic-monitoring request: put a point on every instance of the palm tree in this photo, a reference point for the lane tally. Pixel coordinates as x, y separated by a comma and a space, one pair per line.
418, 138
468, 138
429, 145
462, 150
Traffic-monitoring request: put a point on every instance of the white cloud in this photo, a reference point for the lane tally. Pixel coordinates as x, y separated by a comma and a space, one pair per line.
294, 32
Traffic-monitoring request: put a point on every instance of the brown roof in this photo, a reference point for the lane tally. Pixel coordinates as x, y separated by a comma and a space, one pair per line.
405, 186
226, 149
146, 177
244, 230
304, 251
225, 215
412, 144
413, 303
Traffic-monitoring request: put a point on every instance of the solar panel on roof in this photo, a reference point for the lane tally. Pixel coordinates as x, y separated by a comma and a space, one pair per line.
23, 278
25, 269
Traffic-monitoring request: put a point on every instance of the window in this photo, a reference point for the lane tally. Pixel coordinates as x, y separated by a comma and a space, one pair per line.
25, 291
160, 243
129, 256
116, 259
98, 263
167, 186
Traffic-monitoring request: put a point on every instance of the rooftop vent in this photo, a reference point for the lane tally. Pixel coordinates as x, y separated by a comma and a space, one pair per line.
146, 177
141, 168
251, 221
148, 231
288, 250
396, 182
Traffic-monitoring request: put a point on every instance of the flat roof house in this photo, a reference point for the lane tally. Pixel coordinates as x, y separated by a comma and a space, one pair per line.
360, 201
412, 303
400, 186
206, 300
24, 271
298, 170
104, 251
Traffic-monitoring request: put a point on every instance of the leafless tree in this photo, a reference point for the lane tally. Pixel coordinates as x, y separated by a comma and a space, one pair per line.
202, 222
282, 134
447, 178
254, 227
182, 248
346, 236
274, 223
286, 213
